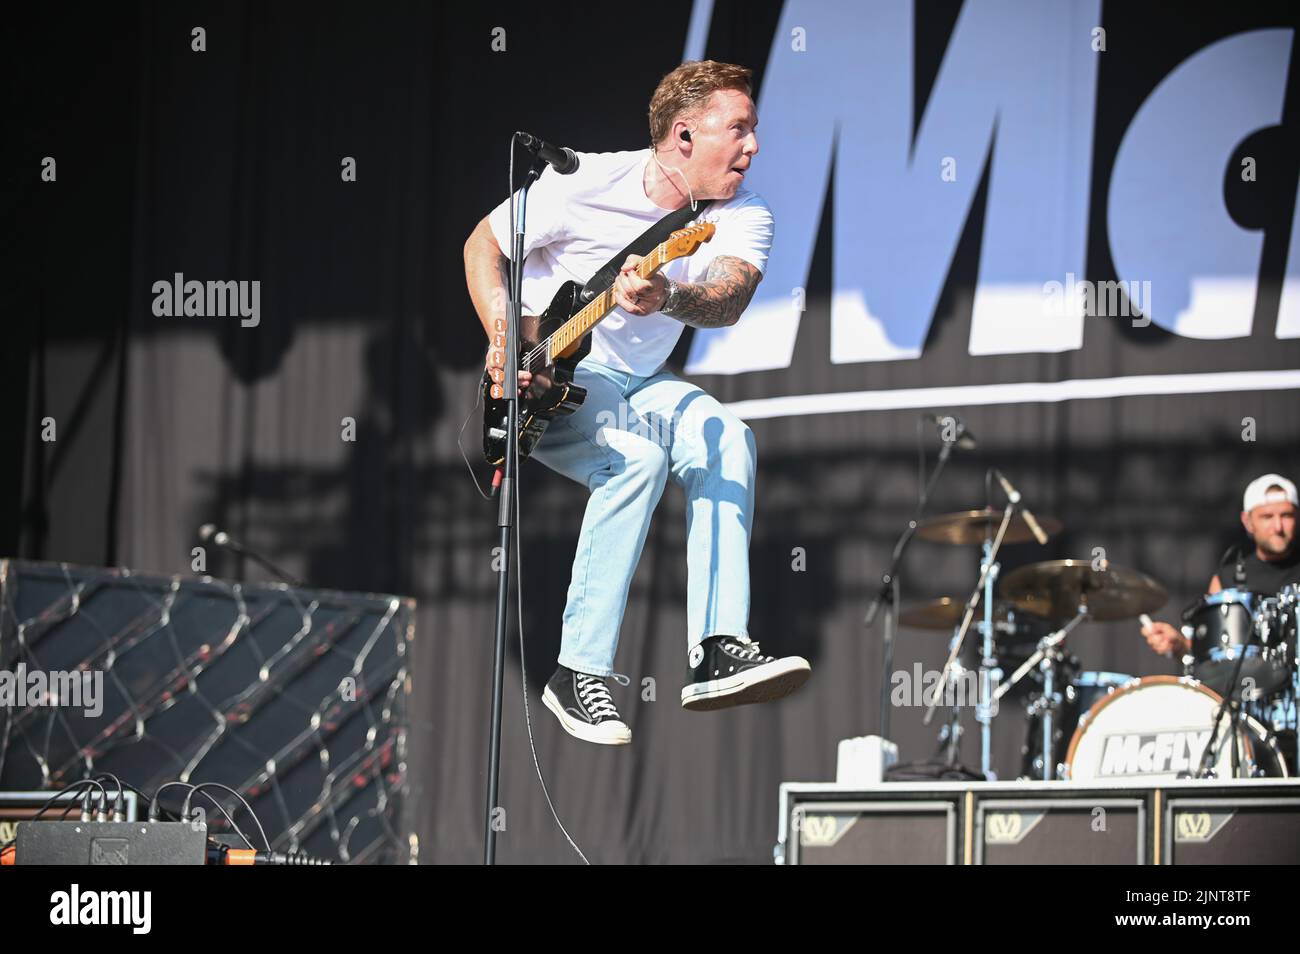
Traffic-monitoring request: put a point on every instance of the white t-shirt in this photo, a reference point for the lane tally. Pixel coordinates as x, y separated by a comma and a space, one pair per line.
574, 224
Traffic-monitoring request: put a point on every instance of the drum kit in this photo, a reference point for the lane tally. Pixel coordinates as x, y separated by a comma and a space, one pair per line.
1232, 713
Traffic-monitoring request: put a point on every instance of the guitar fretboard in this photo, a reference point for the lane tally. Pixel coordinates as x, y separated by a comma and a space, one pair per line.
586, 319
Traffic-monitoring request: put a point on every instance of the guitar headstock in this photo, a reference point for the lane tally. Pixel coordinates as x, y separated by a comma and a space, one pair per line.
685, 241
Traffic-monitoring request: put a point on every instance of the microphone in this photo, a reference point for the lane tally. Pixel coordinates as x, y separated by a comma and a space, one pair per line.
1237, 550
561, 158
1014, 496
224, 540
965, 439
209, 531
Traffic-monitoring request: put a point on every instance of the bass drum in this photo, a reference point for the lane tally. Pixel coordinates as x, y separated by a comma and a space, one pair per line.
1156, 730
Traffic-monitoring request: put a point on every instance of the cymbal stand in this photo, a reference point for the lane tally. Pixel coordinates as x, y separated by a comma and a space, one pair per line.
1048, 657
981, 585
986, 707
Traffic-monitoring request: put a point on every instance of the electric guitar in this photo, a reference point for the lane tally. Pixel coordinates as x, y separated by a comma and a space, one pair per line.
552, 345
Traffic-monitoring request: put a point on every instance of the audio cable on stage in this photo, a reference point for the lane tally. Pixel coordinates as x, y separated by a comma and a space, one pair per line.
523, 668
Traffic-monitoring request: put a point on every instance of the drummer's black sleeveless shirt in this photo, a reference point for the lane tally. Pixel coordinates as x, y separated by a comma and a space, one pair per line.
1262, 577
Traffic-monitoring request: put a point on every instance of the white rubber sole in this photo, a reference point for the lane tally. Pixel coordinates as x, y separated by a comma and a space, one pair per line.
607, 733
764, 683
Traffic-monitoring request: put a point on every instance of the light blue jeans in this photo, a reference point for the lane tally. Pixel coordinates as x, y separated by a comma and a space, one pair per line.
622, 444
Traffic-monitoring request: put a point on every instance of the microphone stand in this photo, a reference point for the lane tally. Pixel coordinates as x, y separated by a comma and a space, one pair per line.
1203, 770
506, 510
1229, 701
889, 589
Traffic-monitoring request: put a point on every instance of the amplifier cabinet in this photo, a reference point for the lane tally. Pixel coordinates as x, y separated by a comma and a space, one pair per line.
1062, 830
873, 832
1235, 821
1200, 830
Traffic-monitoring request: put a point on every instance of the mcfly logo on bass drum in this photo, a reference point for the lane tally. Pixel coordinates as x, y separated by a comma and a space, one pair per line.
1138, 753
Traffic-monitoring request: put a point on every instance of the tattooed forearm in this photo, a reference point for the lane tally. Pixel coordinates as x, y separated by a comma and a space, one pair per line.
718, 300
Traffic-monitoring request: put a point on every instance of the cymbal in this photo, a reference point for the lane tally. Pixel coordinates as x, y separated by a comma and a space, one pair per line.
945, 613
1010, 623
972, 527
1056, 588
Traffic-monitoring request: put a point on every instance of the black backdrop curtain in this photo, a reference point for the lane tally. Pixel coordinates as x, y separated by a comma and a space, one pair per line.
226, 165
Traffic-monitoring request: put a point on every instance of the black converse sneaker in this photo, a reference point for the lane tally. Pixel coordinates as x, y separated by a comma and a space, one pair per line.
585, 708
730, 671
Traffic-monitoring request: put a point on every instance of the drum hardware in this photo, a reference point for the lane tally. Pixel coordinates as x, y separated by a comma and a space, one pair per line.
1230, 703
1279, 714
1075, 590
987, 570
1048, 704
967, 528
1015, 632
950, 732
984, 706
1047, 645
1261, 642
1081, 690
1280, 711
1010, 624
1238, 633
1243, 645
1049, 659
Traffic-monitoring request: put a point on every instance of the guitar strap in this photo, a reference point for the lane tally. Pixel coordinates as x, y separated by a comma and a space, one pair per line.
642, 244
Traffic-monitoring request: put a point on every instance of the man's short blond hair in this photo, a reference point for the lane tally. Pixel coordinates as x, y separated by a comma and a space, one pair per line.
688, 88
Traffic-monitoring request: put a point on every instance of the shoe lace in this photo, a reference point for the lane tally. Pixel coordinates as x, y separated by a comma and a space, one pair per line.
745, 648
595, 696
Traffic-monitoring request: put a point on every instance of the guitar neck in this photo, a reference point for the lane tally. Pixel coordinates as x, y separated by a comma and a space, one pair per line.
600, 306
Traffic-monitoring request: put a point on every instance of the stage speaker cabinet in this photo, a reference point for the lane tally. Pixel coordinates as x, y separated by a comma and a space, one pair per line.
1061, 830
294, 697
875, 832
1227, 830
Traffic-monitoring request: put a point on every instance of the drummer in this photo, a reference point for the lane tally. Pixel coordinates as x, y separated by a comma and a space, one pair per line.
1268, 512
